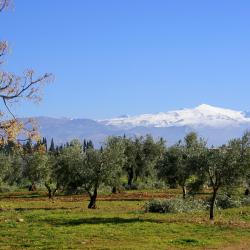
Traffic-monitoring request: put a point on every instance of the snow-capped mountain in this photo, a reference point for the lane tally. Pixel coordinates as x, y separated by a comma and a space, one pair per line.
217, 125
203, 115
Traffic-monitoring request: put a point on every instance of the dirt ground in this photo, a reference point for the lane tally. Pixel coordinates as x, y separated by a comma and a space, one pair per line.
127, 196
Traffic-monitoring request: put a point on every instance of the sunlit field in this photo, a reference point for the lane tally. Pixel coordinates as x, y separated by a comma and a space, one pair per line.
142, 136
29, 220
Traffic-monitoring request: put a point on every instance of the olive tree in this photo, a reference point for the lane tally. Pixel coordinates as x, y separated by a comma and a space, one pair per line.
172, 168
5, 165
68, 166
224, 168
115, 147
102, 167
142, 154
180, 162
14, 171
91, 168
36, 168
34, 164
244, 162
50, 178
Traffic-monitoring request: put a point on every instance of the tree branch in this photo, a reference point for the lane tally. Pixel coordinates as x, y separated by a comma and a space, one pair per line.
7, 107
3, 4
19, 92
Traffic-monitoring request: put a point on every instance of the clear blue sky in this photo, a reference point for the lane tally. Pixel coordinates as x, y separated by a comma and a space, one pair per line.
114, 57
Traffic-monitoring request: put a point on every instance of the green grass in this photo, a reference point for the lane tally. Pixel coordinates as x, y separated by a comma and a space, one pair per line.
68, 224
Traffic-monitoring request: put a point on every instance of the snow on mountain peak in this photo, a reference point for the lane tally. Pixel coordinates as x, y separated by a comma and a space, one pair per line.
205, 108
202, 115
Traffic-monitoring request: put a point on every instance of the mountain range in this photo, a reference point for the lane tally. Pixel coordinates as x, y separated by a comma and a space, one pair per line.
216, 125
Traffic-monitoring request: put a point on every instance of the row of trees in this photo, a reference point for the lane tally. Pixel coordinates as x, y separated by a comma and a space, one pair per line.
75, 165
224, 167
189, 164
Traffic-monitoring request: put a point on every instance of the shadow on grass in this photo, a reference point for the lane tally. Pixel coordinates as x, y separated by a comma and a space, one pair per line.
43, 208
30, 195
20, 209
97, 221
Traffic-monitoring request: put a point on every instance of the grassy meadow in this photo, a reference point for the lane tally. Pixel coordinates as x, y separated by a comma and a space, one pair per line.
32, 221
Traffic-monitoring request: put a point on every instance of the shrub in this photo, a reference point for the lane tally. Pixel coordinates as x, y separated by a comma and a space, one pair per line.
175, 206
134, 186
159, 185
4, 189
225, 201
246, 201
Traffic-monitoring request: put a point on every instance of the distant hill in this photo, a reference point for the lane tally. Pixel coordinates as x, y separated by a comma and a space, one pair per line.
217, 125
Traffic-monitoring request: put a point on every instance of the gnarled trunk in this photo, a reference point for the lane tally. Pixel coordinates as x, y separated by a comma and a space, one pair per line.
184, 192
114, 190
51, 192
247, 191
92, 203
130, 177
212, 203
54, 191
32, 187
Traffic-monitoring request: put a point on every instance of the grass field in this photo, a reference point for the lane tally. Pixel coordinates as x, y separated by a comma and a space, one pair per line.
31, 221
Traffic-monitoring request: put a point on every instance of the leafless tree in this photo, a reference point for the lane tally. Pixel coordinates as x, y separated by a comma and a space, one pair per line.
14, 88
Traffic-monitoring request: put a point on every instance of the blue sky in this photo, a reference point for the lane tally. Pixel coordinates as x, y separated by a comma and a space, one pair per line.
117, 57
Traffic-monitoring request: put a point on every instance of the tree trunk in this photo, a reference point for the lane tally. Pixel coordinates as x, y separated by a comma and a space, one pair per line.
247, 191
49, 190
184, 192
114, 190
92, 203
32, 187
54, 191
130, 177
212, 203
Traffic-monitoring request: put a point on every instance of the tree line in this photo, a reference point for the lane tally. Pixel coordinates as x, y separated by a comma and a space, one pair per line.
189, 164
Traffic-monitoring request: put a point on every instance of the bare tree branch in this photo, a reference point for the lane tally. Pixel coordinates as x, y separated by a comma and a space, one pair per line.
3, 4
3, 49
15, 88
7, 107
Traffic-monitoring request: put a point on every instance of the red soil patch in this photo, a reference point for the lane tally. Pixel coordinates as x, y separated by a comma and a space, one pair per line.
126, 196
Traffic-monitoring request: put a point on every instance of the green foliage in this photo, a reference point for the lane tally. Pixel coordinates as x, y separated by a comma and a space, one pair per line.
90, 168
68, 165
114, 160
5, 164
195, 186
224, 167
181, 161
77, 166
141, 156
15, 169
36, 166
